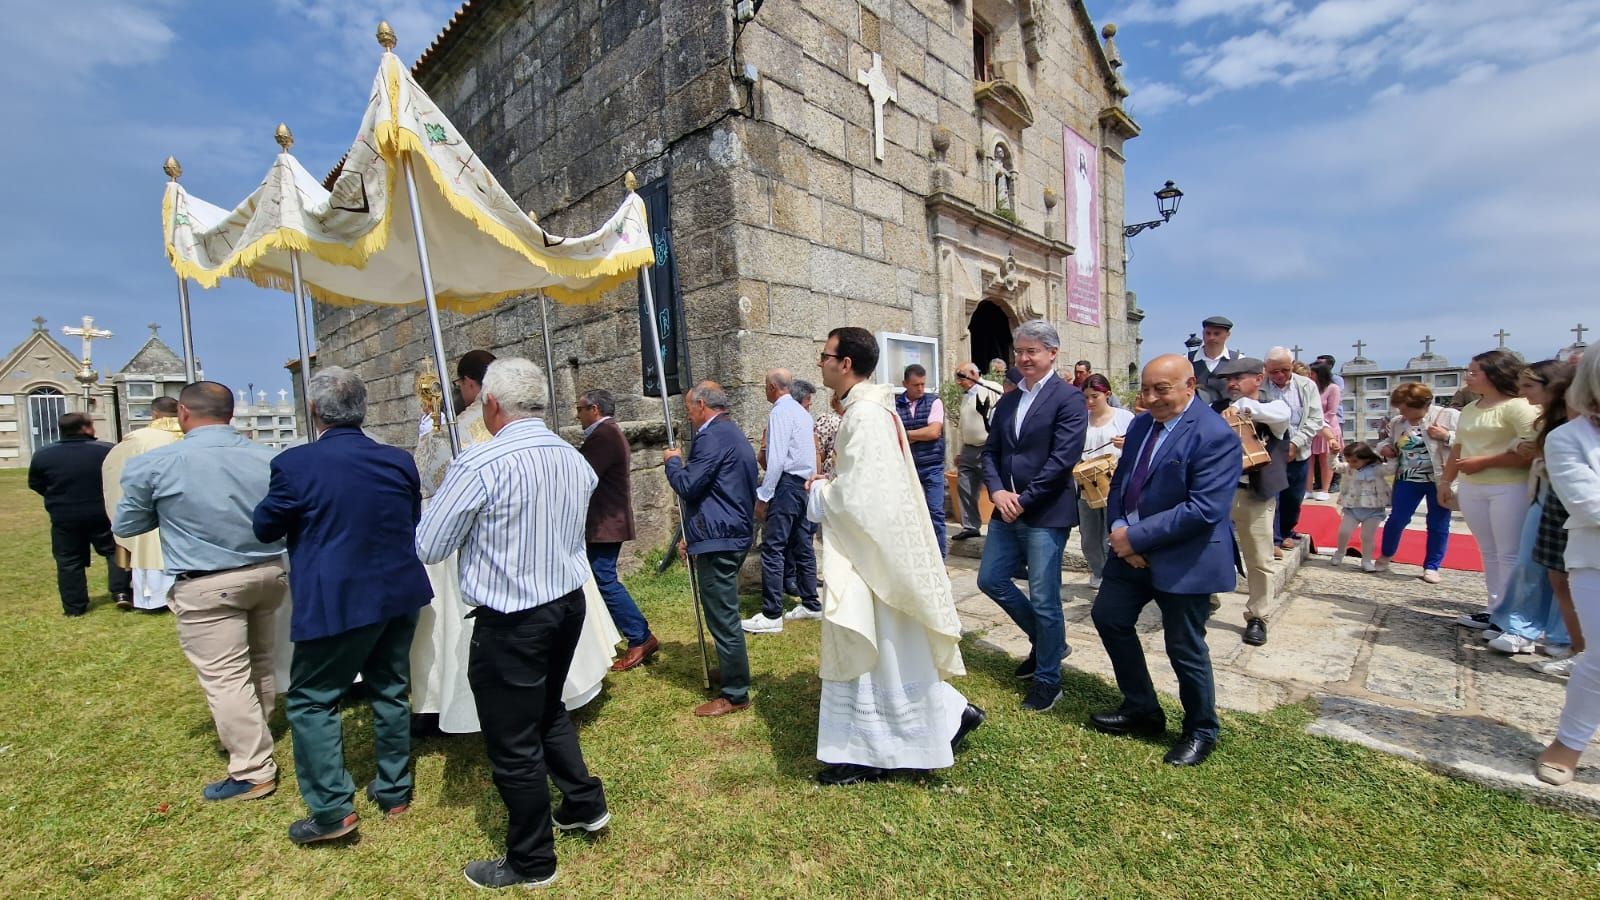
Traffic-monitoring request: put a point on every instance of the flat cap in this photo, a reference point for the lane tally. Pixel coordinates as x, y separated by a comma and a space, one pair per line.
1244, 365
1218, 322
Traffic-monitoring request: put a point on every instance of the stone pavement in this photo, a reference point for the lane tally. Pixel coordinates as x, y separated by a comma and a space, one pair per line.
1377, 652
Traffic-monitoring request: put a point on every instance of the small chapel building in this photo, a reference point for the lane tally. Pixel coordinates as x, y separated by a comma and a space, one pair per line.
934, 171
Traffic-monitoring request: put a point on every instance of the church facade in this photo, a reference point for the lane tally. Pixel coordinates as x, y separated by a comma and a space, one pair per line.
936, 172
37, 387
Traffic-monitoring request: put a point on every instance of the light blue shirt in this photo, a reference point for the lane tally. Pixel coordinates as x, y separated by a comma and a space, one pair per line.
201, 493
515, 508
1161, 438
1025, 402
791, 445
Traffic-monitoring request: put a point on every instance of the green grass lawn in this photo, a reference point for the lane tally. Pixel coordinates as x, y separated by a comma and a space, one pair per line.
105, 743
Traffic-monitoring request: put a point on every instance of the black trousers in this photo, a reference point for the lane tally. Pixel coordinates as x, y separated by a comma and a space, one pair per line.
70, 542
517, 667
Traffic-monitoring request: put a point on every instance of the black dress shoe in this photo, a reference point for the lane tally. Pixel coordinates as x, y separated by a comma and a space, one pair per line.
1120, 722
1025, 670
845, 774
124, 601
1190, 751
1255, 632
964, 534
971, 718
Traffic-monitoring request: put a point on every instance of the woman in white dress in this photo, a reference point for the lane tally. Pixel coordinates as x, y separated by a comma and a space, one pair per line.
444, 633
1107, 425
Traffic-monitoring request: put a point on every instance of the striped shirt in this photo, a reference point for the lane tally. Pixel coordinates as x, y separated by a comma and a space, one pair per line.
515, 508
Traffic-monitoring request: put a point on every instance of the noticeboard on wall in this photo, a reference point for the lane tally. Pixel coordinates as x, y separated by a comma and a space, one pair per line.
896, 351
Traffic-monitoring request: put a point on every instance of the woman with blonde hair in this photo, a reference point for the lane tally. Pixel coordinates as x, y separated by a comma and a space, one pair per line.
1572, 458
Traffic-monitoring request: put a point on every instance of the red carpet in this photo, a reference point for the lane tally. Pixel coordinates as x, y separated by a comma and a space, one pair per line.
1322, 523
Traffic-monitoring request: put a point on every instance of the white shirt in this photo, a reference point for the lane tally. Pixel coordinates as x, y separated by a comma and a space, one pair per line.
974, 430
1097, 438
1212, 362
588, 430
791, 445
1025, 402
1274, 414
515, 507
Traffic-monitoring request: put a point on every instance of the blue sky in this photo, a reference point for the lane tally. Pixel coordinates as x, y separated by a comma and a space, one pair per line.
1372, 169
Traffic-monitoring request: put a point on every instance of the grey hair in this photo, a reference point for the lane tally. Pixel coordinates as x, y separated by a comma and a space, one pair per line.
1038, 330
801, 390
518, 385
780, 378
1279, 353
709, 394
1583, 395
600, 399
339, 397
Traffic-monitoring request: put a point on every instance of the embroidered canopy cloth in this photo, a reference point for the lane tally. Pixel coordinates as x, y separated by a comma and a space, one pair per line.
356, 241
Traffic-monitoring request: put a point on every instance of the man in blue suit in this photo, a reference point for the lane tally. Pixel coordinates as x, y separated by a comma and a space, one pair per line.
1035, 438
1170, 504
349, 507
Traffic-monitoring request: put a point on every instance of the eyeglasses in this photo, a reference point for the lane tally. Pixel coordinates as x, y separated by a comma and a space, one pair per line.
584, 406
824, 357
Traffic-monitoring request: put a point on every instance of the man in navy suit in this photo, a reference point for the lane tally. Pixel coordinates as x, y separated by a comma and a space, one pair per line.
1171, 500
1035, 438
349, 507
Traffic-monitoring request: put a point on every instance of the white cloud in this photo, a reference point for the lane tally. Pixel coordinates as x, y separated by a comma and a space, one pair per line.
1150, 99
1187, 12
346, 28
59, 45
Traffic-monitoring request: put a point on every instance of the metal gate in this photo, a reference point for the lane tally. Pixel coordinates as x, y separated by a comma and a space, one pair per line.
46, 406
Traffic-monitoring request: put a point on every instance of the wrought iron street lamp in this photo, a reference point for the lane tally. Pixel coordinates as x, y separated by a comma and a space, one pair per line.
1167, 200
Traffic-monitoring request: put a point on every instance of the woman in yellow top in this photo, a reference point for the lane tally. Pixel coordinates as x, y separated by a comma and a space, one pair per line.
1491, 454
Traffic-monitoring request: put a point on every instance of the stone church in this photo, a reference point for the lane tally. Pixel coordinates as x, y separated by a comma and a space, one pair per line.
936, 171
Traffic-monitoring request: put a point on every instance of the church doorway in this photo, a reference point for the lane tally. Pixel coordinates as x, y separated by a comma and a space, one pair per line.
989, 334
46, 406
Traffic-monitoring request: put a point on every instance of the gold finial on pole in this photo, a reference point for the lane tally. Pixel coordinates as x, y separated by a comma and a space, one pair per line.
284, 138
630, 181
171, 167
386, 36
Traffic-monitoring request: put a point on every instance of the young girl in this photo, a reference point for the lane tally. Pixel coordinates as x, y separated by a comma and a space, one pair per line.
1364, 497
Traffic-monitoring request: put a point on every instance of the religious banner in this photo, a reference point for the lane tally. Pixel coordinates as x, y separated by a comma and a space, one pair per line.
668, 295
1083, 228
356, 241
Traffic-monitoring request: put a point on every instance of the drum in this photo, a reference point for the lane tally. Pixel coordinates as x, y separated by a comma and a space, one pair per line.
1255, 453
1094, 479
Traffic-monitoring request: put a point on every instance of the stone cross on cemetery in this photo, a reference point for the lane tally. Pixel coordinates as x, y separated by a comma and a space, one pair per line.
89, 333
283, 396
1579, 332
1427, 345
1296, 349
1502, 334
1360, 345
38, 323
879, 90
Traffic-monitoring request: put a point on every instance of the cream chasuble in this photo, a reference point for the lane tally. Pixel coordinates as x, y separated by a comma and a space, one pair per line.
890, 632
150, 584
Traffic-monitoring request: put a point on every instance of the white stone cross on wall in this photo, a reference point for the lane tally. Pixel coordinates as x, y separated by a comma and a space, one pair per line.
88, 332
283, 397
879, 90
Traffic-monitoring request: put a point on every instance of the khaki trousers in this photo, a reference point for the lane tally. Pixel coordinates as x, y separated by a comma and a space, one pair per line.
1252, 524
226, 629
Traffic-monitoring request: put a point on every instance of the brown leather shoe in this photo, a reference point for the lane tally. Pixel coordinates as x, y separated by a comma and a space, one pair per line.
636, 656
719, 707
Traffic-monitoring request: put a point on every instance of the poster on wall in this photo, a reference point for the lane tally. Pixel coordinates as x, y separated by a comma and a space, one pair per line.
1083, 228
901, 350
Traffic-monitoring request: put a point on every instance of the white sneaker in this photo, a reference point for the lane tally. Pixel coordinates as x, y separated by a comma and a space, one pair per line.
1431, 576
1381, 564
760, 624
1369, 565
1337, 559
1556, 651
1490, 633
1561, 668
1321, 495
800, 611
1511, 643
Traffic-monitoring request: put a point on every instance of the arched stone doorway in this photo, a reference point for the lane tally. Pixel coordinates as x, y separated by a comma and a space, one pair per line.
989, 334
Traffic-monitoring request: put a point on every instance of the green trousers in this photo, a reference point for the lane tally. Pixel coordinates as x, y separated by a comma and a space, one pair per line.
718, 576
320, 673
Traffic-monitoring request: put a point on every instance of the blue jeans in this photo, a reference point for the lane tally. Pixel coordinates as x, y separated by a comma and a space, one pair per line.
1529, 609
1122, 596
934, 490
1038, 613
1407, 496
1290, 499
624, 612
785, 538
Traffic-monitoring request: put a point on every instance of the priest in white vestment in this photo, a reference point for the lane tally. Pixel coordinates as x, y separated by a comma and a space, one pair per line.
151, 584
890, 633
444, 633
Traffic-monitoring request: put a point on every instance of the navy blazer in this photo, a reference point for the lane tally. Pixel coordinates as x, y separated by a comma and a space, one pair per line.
1185, 530
718, 487
1037, 464
349, 507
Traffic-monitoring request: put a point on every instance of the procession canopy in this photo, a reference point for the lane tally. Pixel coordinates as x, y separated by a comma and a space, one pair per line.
356, 241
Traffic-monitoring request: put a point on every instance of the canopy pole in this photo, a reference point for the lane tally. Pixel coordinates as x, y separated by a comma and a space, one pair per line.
549, 360
174, 172
648, 294
305, 345
445, 402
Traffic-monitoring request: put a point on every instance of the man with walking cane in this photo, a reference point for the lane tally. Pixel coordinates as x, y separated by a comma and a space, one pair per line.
717, 487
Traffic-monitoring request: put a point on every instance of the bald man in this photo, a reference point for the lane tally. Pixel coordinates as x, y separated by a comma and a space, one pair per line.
1170, 505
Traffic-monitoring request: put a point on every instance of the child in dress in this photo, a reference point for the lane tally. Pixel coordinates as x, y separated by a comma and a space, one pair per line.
1364, 498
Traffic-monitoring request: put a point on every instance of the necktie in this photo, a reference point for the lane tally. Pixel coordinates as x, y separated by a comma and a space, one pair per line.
1141, 472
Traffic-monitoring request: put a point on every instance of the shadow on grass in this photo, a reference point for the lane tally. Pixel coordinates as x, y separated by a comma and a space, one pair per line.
788, 706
